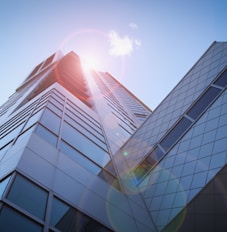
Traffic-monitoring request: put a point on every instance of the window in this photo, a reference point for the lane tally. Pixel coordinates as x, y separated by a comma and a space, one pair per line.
66, 218
12, 221
222, 80
46, 135
175, 133
32, 120
155, 155
79, 158
171, 137
4, 149
11, 135
70, 117
3, 185
76, 110
51, 121
28, 196
55, 102
24, 137
84, 145
203, 102
106, 176
141, 170
87, 131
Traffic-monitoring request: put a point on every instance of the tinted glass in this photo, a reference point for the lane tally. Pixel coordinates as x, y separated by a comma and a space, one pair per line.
109, 167
3, 185
66, 218
28, 196
46, 135
107, 177
86, 124
222, 80
4, 149
59, 209
141, 170
11, 221
156, 154
11, 135
175, 133
84, 129
32, 120
84, 145
51, 121
203, 102
79, 158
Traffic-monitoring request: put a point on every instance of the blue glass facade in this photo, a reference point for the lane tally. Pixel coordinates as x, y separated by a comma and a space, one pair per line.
79, 152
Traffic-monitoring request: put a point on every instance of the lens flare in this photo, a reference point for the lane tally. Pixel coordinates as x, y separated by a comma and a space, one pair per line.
90, 63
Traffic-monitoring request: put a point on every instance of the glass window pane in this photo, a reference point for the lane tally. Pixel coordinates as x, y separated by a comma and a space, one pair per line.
74, 120
222, 80
4, 150
142, 170
28, 196
66, 218
79, 158
107, 177
3, 185
110, 168
175, 133
203, 102
54, 109
156, 154
12, 135
86, 131
56, 103
11, 221
80, 113
59, 209
46, 135
33, 120
59, 96
25, 136
51, 121
84, 145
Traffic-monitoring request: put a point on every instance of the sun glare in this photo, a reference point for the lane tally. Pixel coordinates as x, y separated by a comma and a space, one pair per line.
89, 63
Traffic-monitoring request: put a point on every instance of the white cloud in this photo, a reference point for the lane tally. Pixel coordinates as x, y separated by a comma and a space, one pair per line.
133, 25
120, 46
137, 43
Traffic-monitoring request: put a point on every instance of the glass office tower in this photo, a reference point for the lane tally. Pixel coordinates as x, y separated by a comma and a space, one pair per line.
179, 167
79, 152
59, 132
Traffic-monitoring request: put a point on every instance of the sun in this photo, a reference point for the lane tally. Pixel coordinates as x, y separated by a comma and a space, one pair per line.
89, 63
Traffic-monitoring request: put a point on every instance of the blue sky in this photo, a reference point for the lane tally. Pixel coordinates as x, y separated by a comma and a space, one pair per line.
148, 45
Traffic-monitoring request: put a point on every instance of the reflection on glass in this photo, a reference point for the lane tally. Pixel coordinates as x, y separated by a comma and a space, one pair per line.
25, 194
11, 135
175, 133
11, 221
4, 149
222, 80
51, 121
46, 135
32, 120
3, 185
66, 218
88, 133
156, 154
79, 158
203, 102
84, 145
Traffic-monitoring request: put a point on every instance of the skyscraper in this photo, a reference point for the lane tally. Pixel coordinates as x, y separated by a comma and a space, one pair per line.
59, 132
79, 152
